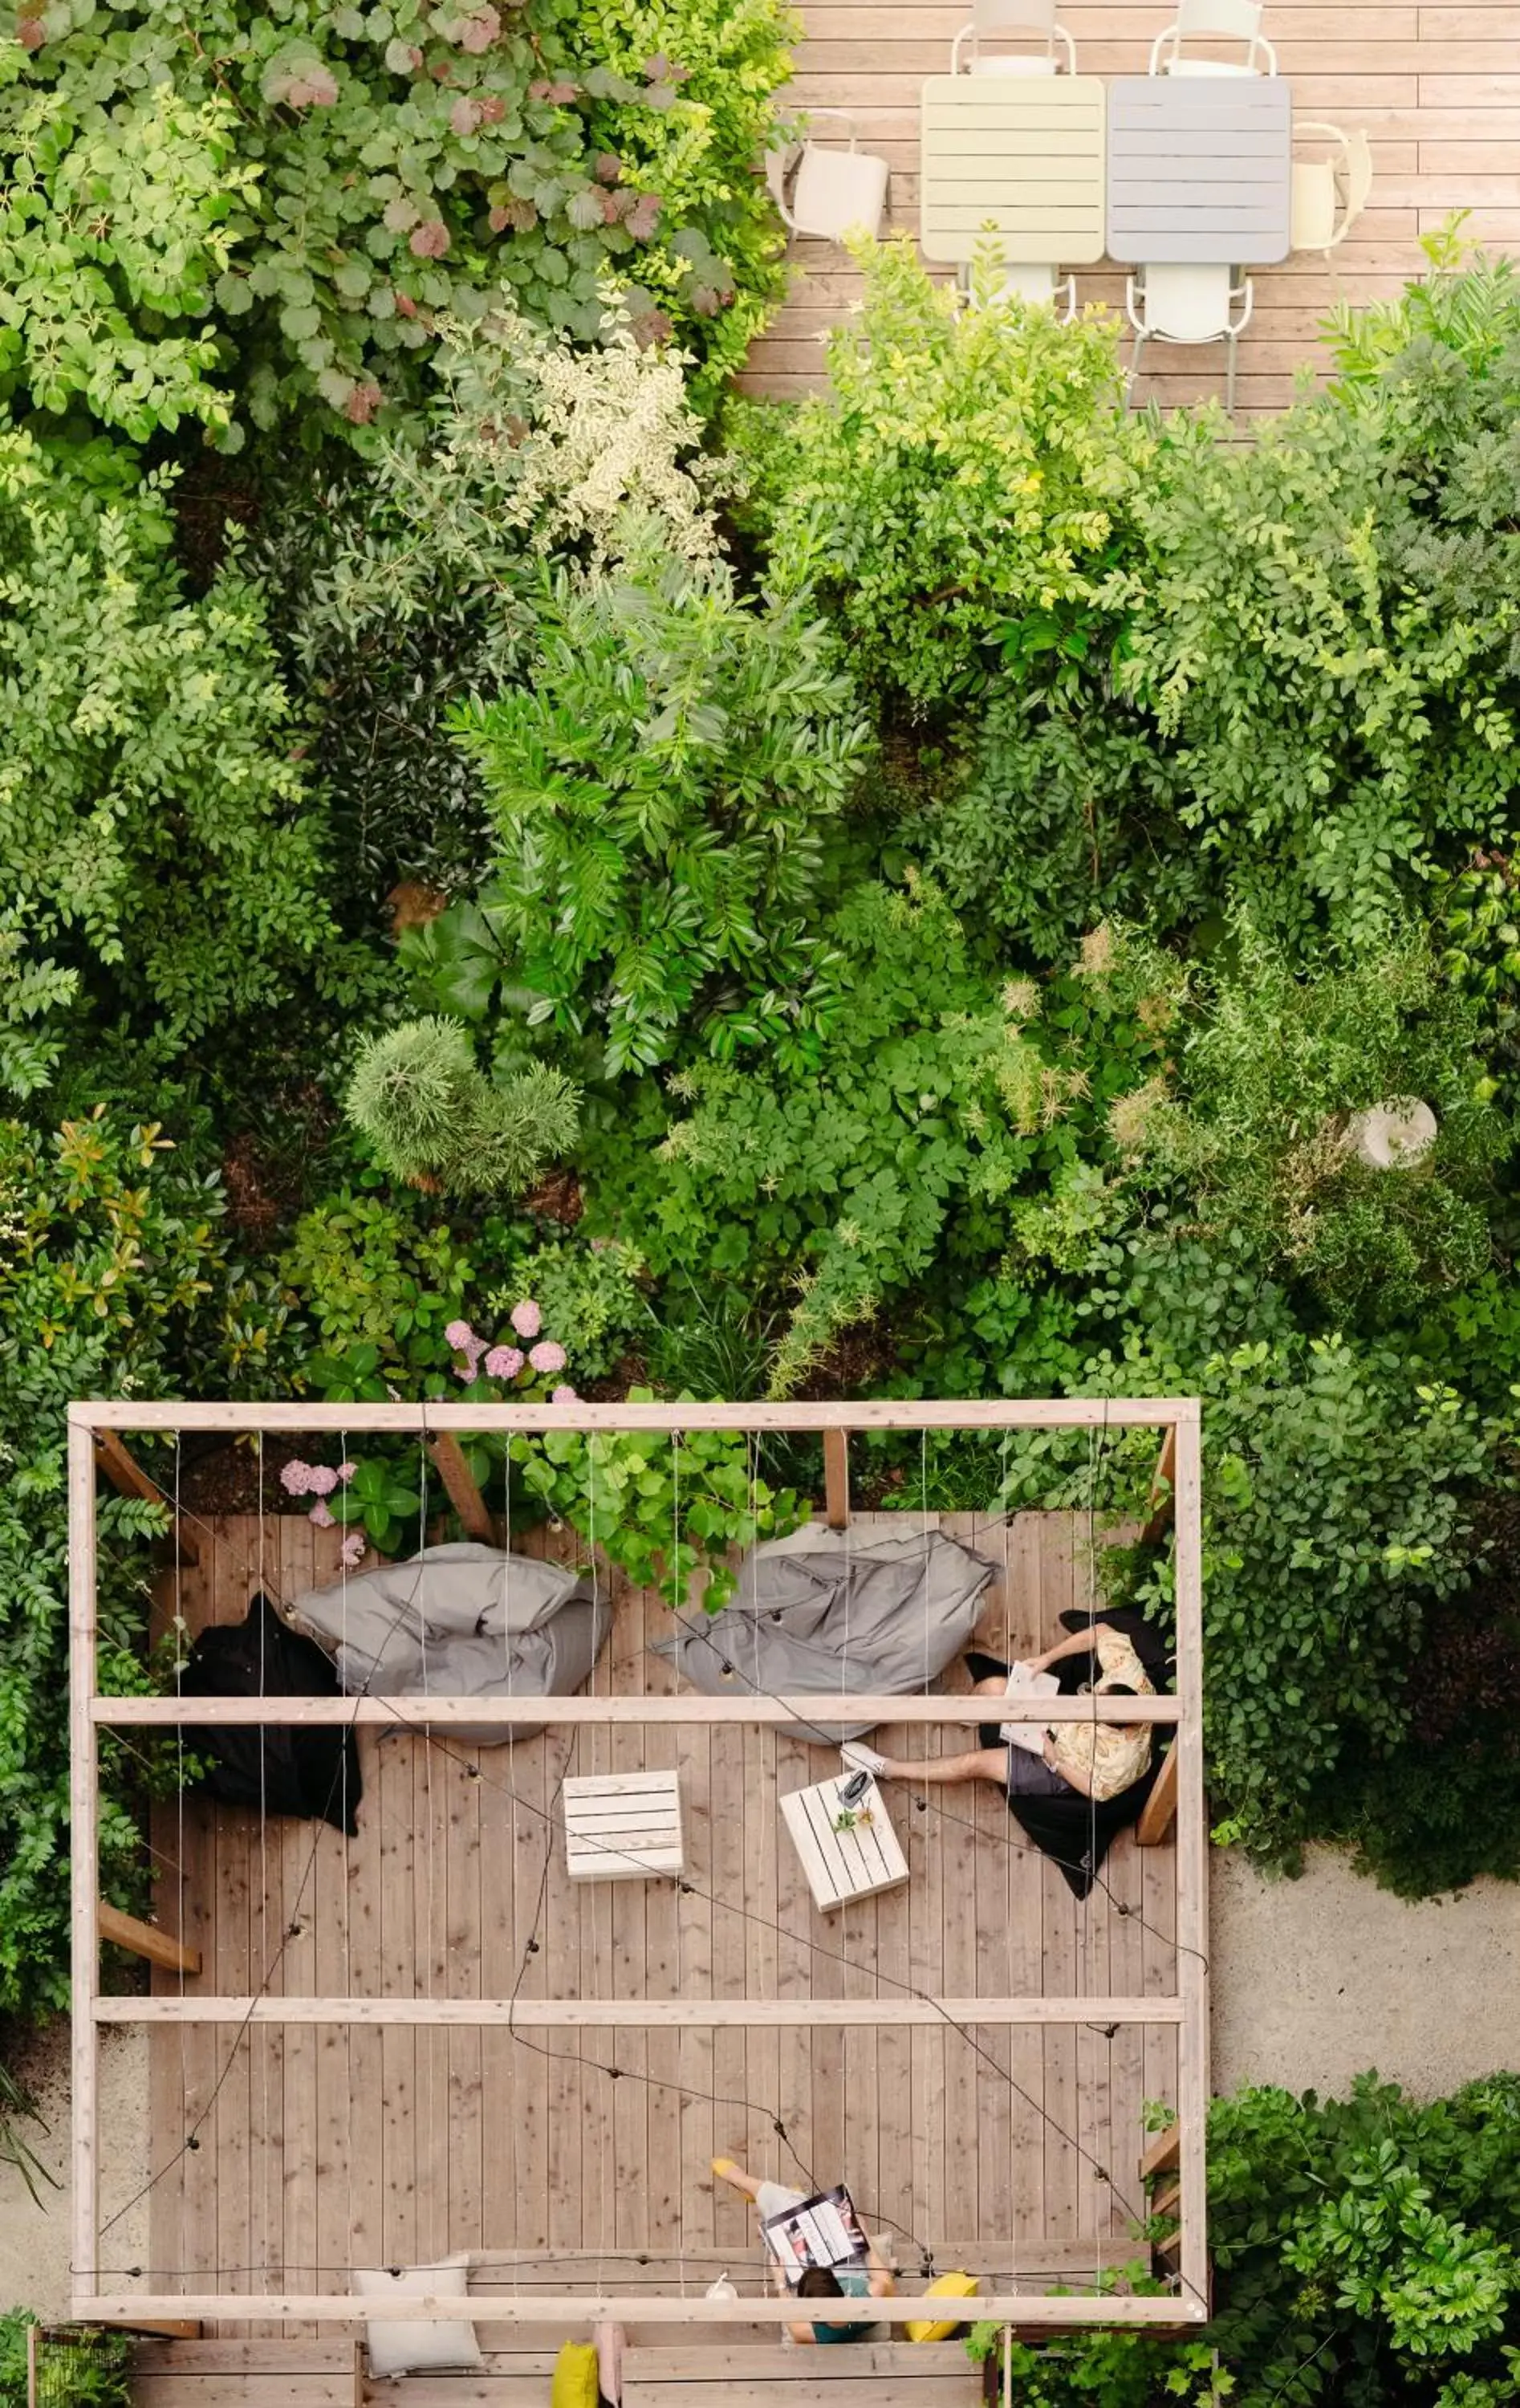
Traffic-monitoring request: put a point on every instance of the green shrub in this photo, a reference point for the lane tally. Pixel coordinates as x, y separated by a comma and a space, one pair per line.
157, 843
963, 486
1365, 2252
434, 1120
661, 791
410, 583
939, 1126
1336, 1519
1256, 1129
213, 206
111, 1250
1323, 631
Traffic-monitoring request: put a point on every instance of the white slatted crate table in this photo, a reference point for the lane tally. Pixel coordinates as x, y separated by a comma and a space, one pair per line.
843, 1865
622, 1827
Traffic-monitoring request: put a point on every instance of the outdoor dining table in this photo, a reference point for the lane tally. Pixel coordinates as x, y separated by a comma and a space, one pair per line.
1020, 154
1200, 169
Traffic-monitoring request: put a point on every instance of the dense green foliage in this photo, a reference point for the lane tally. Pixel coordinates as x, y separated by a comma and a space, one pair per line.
1366, 2250
111, 1259
157, 846
227, 211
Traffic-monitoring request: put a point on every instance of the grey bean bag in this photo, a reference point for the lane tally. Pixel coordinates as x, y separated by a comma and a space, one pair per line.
821, 1613
460, 1621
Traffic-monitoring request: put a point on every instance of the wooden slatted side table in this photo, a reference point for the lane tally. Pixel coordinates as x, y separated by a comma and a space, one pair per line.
622, 1827
843, 1865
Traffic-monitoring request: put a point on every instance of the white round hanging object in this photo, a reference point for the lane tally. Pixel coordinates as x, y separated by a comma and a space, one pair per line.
1391, 1136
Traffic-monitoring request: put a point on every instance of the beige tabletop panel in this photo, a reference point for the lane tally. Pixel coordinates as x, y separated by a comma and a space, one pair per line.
1023, 155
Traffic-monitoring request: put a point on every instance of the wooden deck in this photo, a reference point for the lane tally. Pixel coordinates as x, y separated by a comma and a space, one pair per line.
1438, 90
553, 2153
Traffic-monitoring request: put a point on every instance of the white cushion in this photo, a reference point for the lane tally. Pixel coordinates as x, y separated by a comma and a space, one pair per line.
1206, 67
839, 192
1015, 62
397, 2348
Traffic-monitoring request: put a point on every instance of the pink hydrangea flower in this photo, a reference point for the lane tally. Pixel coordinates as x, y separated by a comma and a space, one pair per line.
548, 1356
352, 1550
526, 1318
505, 1362
460, 1336
347, 1471
321, 1514
320, 1479
564, 1396
296, 1479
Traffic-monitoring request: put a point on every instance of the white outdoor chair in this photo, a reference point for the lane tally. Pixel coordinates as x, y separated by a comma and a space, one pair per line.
1026, 282
1328, 194
1230, 20
1189, 304
828, 193
1032, 17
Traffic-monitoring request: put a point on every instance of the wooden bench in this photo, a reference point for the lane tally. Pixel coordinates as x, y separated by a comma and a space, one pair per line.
875, 2374
247, 2375
860, 1861
622, 1825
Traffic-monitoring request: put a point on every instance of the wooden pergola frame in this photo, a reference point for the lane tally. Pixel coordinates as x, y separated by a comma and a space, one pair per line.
94, 1445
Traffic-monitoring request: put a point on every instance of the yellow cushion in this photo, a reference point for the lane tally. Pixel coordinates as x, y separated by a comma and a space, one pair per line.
944, 2287
575, 2376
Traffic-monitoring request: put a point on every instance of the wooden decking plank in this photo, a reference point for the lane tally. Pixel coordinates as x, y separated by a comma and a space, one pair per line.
304, 1879
399, 2048
632, 2103
572, 2209
662, 1908
461, 1979
1058, 1924
701, 2133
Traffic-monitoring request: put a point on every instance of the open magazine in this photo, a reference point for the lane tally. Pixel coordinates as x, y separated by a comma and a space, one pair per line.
1022, 1682
823, 2230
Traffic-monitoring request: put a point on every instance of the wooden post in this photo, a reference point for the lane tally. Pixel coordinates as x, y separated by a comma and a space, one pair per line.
837, 1479
83, 1775
1159, 1810
1163, 1484
1192, 1873
159, 1947
464, 1496
129, 1479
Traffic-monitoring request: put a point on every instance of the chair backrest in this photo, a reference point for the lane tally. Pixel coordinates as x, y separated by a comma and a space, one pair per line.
1230, 20
1329, 193
828, 193
1035, 18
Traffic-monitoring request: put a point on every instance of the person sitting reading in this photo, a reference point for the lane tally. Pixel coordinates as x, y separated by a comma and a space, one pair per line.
870, 2279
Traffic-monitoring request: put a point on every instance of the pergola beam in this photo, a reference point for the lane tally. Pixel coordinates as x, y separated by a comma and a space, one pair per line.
579, 2307
638, 2014
748, 1707
864, 1413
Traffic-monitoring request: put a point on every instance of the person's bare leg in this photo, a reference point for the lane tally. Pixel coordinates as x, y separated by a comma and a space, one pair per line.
978, 1764
996, 1687
728, 2171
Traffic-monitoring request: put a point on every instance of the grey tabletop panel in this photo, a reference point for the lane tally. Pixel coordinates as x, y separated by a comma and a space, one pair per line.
1200, 169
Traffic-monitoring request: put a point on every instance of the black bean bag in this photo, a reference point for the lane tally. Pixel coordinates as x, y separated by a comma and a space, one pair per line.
280, 1768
